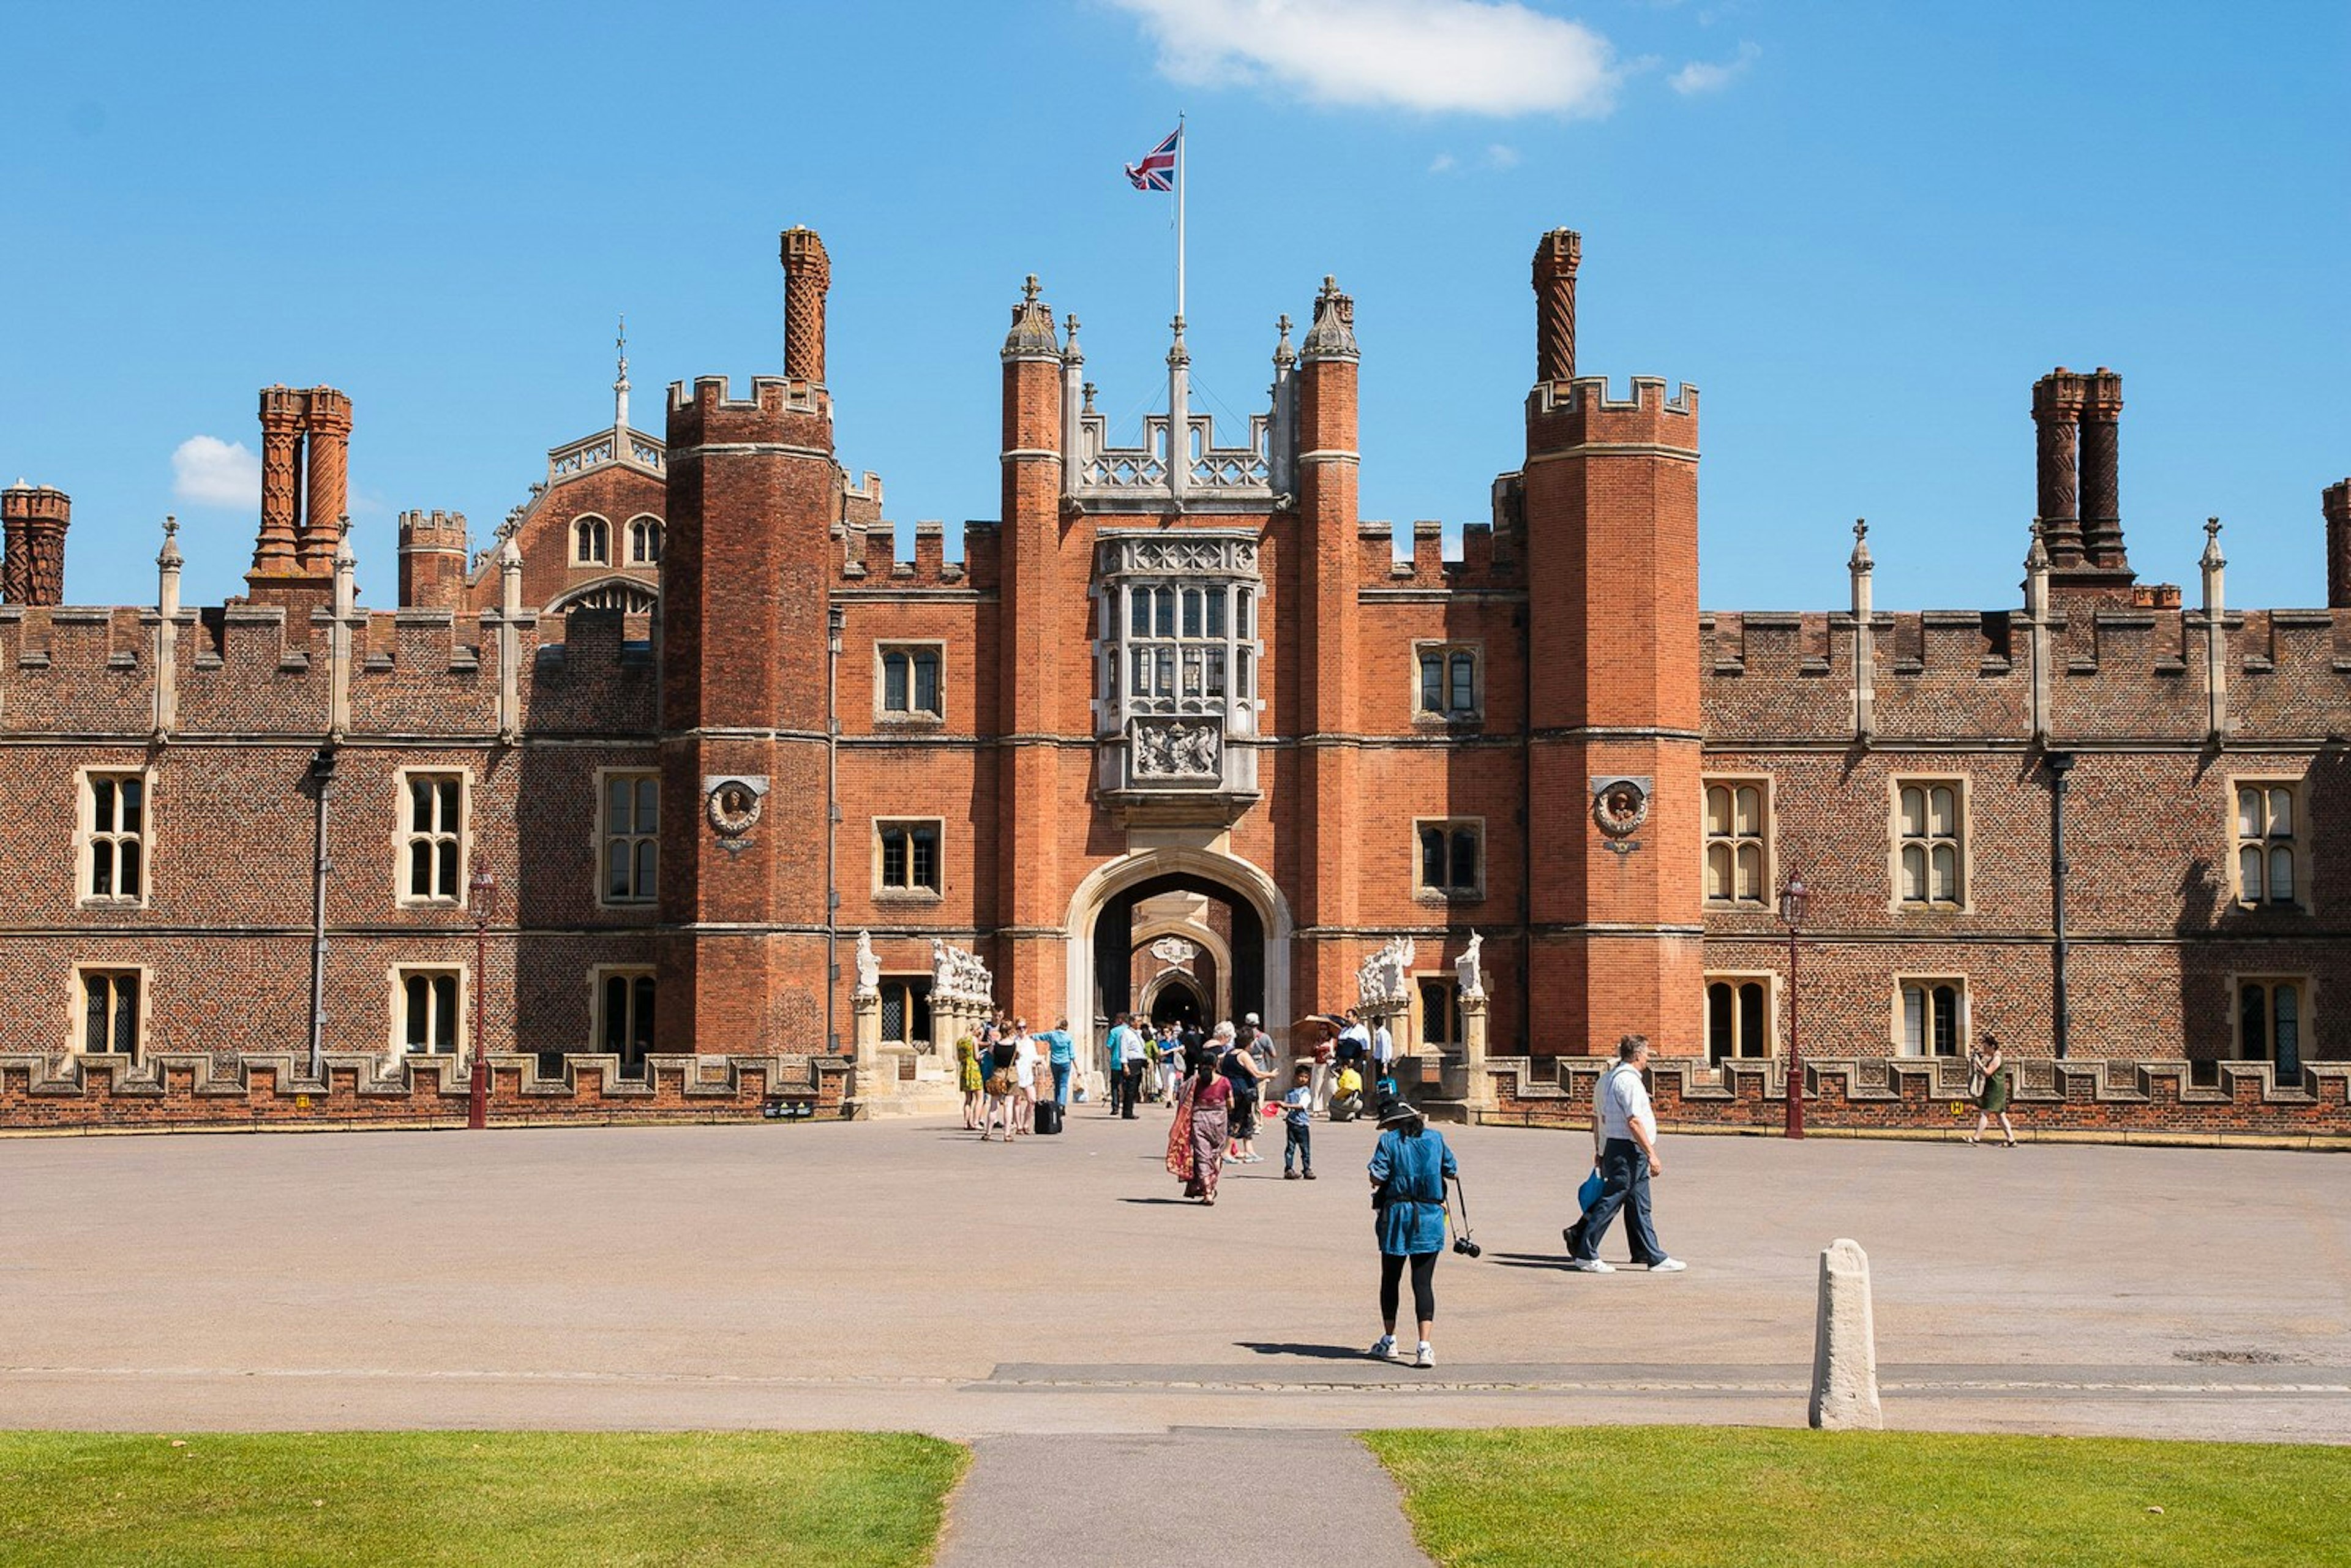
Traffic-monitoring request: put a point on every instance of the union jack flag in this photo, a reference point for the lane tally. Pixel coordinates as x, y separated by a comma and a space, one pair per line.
1157, 169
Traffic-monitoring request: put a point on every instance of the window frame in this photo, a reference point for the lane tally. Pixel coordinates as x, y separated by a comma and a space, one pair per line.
396, 985
912, 891
2305, 987
404, 836
77, 1013
1964, 843
600, 977
1771, 981
645, 525
579, 555
907, 981
1456, 1023
1444, 652
1765, 838
2297, 844
86, 836
605, 835
1451, 893
1963, 1025
908, 648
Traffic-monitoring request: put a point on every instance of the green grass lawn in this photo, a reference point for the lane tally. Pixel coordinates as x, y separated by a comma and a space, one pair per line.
842, 1500
1659, 1495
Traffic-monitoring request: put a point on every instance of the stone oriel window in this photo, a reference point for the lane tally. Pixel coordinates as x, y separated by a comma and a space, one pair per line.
1440, 1013
644, 541
2272, 1020
592, 541
1449, 681
1931, 1018
906, 1009
906, 857
2269, 845
1739, 1016
114, 837
910, 679
1738, 845
1930, 844
110, 1018
631, 848
1451, 861
433, 838
624, 1016
427, 1010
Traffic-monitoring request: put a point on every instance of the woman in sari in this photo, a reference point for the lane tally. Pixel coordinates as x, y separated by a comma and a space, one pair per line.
1196, 1145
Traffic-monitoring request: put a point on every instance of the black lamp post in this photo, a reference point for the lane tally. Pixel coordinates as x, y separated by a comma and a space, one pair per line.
484, 890
1793, 898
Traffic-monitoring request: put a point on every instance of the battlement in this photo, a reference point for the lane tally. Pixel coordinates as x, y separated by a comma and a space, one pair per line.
870, 557
1581, 413
707, 410
1477, 565
436, 529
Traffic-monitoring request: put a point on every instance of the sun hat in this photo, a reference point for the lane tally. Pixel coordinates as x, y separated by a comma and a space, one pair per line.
1397, 1112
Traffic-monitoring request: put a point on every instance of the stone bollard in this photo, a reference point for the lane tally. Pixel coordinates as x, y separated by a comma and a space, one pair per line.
1844, 1344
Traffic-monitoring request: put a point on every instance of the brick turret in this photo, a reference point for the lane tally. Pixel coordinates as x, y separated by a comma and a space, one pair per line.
1329, 706
32, 555
433, 550
2334, 502
1611, 523
753, 492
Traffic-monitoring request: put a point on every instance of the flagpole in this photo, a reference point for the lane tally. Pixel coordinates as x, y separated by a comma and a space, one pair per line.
1179, 217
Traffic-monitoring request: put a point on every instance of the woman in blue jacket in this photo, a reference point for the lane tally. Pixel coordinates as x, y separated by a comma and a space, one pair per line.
1409, 1170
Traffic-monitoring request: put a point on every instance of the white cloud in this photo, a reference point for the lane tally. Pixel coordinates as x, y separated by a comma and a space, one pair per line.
1704, 76
1467, 57
1444, 164
1497, 156
209, 472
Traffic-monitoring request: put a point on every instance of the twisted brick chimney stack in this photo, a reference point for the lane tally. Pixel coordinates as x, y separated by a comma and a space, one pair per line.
32, 522
1557, 256
294, 553
807, 277
2078, 501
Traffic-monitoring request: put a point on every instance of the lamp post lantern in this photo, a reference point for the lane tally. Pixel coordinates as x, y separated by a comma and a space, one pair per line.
1793, 898
484, 890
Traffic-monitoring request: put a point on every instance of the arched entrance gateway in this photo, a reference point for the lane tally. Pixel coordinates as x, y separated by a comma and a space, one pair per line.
1102, 938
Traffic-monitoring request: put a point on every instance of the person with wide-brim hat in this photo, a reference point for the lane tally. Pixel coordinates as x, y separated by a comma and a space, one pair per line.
1409, 1169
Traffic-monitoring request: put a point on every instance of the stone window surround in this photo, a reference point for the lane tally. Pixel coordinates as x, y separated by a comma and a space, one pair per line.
1416, 1023
598, 975
909, 979
882, 891
1963, 808
402, 835
1476, 712
77, 1003
1962, 1034
910, 717
1770, 837
604, 836
2305, 986
589, 546
2298, 841
85, 836
639, 529
396, 979
1229, 563
1774, 992
1476, 891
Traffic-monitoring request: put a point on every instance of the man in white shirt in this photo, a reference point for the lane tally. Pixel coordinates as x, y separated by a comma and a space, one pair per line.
1383, 1049
1625, 1148
1126, 1067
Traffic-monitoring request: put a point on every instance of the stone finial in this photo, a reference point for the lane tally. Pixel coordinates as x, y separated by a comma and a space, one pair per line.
1859, 560
169, 556
2212, 560
1087, 392
1032, 325
621, 382
1332, 335
1177, 353
1284, 356
1071, 353
2036, 554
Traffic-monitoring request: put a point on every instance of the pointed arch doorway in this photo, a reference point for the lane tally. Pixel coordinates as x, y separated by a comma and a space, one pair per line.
1102, 933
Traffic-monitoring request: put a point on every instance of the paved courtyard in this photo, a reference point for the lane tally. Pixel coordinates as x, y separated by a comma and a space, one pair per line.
900, 1274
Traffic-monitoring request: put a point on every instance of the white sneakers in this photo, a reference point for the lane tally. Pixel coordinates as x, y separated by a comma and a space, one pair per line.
1668, 1266
1384, 1348
1427, 1357
1591, 1265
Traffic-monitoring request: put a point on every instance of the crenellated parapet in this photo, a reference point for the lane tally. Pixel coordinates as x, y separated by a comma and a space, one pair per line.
870, 557
1565, 417
1484, 562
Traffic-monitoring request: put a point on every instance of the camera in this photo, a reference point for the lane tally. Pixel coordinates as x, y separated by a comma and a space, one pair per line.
1467, 1248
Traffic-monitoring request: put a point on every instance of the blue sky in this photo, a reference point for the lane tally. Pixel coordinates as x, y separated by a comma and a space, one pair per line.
1862, 231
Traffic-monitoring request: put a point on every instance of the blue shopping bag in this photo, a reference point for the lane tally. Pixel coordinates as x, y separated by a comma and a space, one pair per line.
1589, 1193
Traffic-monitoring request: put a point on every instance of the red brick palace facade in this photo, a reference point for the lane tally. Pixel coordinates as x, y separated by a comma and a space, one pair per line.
1178, 732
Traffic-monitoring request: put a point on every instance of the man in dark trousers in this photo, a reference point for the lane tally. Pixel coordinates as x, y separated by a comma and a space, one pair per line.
1624, 1147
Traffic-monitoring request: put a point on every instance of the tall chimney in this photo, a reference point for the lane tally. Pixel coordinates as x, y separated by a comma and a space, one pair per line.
2102, 514
328, 421
2335, 501
1557, 256
2057, 414
281, 434
32, 522
808, 277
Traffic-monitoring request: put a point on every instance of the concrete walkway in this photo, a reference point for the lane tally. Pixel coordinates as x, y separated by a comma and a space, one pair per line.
1236, 1498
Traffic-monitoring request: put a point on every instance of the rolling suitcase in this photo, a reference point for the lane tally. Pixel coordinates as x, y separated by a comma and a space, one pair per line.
1049, 1116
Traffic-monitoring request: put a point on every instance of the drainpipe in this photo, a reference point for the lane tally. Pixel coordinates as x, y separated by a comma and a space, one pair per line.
322, 779
2058, 763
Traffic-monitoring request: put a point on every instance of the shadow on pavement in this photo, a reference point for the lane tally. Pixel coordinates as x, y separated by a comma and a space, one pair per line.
1309, 1352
